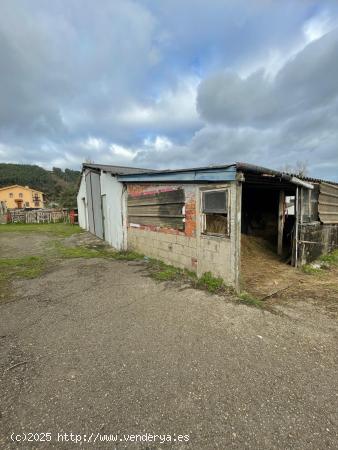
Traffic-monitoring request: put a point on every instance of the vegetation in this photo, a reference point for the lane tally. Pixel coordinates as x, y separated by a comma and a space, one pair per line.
26, 267
249, 299
59, 186
94, 252
211, 283
330, 259
309, 269
31, 267
325, 262
57, 229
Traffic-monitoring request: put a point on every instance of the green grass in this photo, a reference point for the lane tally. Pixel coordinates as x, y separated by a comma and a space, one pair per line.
310, 270
325, 262
248, 299
330, 258
125, 256
10, 268
210, 283
165, 272
32, 267
26, 267
57, 229
94, 252
168, 273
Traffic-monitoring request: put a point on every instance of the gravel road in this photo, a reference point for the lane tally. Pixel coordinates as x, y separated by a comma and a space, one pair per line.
96, 346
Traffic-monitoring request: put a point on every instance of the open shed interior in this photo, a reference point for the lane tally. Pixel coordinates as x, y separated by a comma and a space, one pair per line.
268, 211
267, 227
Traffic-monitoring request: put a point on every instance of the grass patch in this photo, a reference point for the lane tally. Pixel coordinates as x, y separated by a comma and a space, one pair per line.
10, 268
57, 229
76, 252
310, 270
330, 259
248, 299
168, 273
323, 263
211, 283
125, 256
95, 252
165, 272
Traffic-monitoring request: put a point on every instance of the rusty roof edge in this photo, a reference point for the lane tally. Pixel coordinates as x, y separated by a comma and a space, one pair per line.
260, 169
114, 169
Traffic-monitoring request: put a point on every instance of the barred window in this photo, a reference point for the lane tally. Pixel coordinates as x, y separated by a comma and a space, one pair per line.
215, 212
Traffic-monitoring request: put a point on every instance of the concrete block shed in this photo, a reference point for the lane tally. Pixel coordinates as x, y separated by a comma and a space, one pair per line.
195, 218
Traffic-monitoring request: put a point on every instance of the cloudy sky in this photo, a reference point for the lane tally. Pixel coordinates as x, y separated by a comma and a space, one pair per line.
170, 83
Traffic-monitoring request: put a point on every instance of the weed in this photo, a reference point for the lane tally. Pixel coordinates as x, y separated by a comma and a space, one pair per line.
310, 270
95, 252
324, 262
76, 252
210, 283
10, 268
330, 258
249, 299
168, 274
124, 255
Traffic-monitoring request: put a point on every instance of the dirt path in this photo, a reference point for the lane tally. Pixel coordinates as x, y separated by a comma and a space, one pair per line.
96, 346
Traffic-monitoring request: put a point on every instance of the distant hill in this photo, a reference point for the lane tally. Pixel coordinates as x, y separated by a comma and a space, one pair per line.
58, 185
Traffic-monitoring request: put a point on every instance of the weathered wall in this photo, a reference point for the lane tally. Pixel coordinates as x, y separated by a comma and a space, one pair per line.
318, 230
113, 206
316, 239
82, 204
189, 249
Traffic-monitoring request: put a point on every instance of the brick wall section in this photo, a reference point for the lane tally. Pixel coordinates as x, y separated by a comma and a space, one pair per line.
136, 190
188, 249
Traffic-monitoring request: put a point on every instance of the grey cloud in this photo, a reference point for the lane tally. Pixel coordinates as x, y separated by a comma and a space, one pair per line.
65, 61
308, 81
73, 71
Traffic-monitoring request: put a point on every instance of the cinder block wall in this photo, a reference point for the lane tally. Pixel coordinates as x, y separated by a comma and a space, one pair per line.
178, 250
189, 249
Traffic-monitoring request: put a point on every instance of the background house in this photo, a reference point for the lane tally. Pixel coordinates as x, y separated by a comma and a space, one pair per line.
18, 197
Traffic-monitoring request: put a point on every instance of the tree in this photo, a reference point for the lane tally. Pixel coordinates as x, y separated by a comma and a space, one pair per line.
299, 168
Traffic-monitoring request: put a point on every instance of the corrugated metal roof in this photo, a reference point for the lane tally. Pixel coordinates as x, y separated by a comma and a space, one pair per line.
197, 175
116, 170
259, 169
245, 167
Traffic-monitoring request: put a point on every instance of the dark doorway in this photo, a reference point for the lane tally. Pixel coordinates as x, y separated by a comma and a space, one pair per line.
269, 216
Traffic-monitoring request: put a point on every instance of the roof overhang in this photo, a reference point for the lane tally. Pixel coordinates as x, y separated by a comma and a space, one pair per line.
298, 182
204, 175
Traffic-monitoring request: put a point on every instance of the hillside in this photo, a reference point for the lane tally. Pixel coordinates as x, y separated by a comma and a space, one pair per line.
58, 185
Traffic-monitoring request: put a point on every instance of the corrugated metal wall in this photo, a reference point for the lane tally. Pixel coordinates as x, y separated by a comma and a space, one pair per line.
328, 203
93, 189
97, 205
90, 203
